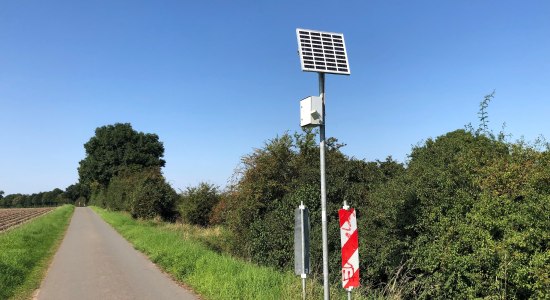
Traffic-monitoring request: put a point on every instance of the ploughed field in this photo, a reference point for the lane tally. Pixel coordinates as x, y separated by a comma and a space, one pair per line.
10, 217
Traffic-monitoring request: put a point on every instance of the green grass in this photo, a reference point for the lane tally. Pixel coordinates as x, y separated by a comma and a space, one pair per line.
180, 250
25, 252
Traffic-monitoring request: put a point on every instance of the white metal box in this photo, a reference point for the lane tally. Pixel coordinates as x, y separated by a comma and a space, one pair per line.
311, 111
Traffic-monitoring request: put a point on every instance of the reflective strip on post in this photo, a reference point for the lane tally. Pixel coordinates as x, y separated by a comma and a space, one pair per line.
350, 248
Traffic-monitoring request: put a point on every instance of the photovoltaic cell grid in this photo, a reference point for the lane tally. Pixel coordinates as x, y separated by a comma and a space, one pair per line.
322, 51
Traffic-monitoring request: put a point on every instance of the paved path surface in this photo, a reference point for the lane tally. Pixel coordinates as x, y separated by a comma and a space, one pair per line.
95, 262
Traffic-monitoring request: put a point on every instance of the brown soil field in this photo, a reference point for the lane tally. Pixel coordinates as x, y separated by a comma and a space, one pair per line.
11, 217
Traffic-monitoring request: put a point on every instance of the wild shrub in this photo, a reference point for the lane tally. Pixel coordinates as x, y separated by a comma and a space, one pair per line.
275, 179
152, 196
480, 218
197, 203
144, 193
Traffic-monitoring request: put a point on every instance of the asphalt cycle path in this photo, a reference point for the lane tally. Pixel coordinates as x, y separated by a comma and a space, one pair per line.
95, 262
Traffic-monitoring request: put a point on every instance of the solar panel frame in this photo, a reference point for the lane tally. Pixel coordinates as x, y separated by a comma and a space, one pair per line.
322, 52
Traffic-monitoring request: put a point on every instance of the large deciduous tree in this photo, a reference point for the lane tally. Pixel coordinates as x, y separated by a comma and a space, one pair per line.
122, 170
118, 147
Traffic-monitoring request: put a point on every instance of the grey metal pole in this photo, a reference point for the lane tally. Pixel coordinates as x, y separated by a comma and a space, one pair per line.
322, 147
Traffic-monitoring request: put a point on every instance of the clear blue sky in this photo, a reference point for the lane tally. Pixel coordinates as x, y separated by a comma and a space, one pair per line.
216, 79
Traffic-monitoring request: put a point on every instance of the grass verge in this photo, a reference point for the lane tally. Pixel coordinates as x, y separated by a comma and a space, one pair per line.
211, 274
25, 252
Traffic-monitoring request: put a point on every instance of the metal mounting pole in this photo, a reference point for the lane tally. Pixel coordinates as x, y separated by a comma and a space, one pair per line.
322, 147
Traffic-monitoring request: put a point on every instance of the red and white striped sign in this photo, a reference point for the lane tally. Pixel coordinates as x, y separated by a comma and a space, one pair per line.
350, 251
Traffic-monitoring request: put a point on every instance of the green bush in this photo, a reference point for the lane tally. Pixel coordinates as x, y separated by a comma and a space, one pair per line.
480, 218
467, 217
119, 192
196, 203
218, 216
145, 194
152, 197
277, 178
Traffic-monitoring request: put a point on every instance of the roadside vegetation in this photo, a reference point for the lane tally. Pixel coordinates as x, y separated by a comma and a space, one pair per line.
466, 216
25, 252
189, 254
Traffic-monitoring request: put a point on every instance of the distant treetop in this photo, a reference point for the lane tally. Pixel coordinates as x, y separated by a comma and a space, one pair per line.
119, 147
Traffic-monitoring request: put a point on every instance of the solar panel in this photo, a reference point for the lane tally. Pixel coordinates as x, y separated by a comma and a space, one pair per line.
322, 51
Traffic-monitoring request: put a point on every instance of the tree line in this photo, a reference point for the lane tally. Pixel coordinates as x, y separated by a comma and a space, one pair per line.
73, 194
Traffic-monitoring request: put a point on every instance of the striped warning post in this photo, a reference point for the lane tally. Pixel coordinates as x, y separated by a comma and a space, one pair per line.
350, 251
